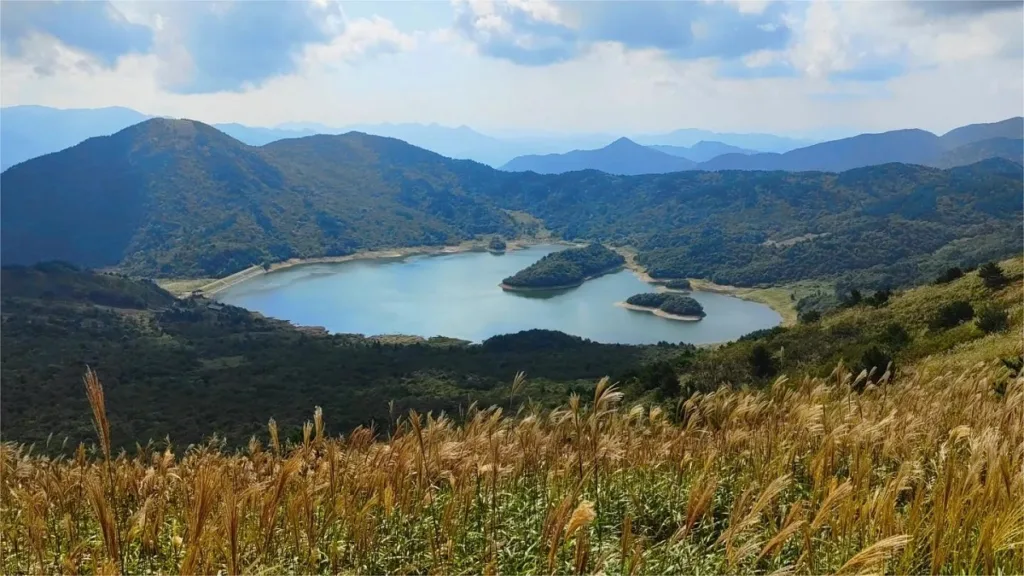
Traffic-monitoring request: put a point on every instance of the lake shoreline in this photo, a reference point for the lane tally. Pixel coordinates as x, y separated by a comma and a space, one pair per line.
226, 282
658, 312
786, 310
510, 288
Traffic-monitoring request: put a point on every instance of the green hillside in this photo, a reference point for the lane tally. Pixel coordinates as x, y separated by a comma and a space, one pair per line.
176, 198
178, 367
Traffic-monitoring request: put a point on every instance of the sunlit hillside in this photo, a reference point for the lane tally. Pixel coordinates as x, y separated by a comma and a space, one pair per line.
914, 472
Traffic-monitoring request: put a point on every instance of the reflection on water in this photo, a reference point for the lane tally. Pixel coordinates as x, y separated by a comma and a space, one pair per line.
457, 295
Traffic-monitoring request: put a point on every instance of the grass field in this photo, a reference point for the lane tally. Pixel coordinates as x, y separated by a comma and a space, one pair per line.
914, 476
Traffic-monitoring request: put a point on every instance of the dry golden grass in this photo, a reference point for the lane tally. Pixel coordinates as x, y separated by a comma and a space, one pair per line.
914, 476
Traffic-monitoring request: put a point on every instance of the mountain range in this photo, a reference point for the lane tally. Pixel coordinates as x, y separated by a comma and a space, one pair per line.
178, 198
960, 146
31, 131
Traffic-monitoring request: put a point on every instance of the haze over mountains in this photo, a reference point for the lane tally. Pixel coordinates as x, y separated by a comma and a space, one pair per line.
960, 146
31, 131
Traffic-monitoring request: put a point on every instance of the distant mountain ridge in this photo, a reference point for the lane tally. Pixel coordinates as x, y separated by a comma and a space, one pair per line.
622, 157
702, 151
180, 199
910, 146
32, 131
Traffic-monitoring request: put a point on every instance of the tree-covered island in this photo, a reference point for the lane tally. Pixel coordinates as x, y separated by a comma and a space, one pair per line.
565, 269
666, 305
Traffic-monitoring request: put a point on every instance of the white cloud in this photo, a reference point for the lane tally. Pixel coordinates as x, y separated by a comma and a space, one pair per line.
959, 70
363, 38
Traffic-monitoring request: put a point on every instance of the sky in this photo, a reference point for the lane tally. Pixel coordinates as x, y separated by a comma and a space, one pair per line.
528, 65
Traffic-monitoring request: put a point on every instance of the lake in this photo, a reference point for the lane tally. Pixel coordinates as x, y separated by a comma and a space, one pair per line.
457, 295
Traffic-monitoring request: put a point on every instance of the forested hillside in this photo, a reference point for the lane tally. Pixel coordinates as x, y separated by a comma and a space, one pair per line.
194, 367
180, 199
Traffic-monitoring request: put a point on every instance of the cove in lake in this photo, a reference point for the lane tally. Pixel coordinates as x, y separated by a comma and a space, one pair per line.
457, 295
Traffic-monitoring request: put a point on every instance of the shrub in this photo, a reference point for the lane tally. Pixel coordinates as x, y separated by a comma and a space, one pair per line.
952, 314
762, 363
993, 320
992, 275
879, 298
810, 317
949, 275
874, 358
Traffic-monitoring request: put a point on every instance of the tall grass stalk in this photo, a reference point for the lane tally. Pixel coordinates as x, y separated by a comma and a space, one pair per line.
922, 474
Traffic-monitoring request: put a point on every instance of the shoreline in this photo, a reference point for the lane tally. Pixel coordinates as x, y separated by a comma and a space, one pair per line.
509, 288
766, 296
226, 282
659, 313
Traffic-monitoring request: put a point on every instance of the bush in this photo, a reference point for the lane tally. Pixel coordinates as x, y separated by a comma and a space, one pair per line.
993, 320
879, 298
895, 336
874, 358
762, 363
952, 314
949, 275
810, 317
992, 275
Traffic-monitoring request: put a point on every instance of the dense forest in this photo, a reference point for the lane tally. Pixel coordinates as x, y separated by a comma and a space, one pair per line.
668, 303
194, 367
190, 368
176, 198
566, 268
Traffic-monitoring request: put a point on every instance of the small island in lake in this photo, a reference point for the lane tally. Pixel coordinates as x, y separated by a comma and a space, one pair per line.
496, 244
565, 269
666, 305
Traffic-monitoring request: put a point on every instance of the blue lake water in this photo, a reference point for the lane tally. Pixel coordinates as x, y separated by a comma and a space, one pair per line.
457, 295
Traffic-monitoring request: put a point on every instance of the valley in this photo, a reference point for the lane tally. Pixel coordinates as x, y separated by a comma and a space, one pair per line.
512, 287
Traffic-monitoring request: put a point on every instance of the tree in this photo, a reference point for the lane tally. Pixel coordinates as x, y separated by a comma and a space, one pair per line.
992, 275
762, 363
992, 320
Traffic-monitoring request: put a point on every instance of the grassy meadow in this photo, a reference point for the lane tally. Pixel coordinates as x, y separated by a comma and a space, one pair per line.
808, 476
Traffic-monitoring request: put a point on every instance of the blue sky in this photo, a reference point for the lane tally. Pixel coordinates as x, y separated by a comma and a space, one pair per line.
585, 66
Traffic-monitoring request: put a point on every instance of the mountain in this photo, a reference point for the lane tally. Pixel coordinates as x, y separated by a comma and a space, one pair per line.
31, 131
1012, 128
702, 151
623, 157
691, 136
164, 193
906, 146
177, 198
1009, 148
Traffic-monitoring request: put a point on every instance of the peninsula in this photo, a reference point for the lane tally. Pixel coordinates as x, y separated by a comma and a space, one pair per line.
496, 245
678, 285
566, 269
666, 305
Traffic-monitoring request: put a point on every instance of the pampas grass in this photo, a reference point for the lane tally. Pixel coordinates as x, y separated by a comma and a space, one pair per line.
919, 475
